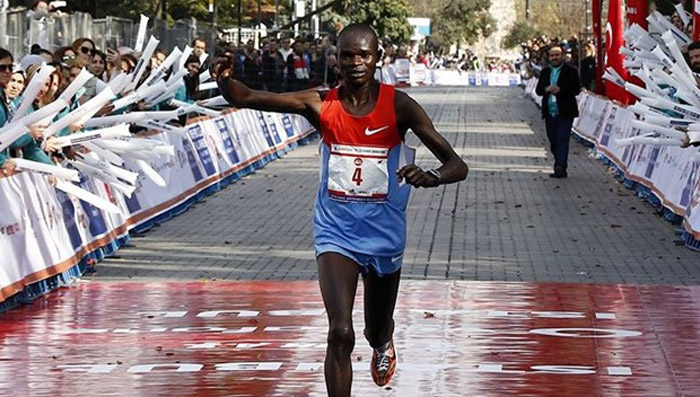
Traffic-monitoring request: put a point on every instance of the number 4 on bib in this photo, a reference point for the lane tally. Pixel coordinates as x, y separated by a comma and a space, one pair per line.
357, 173
357, 176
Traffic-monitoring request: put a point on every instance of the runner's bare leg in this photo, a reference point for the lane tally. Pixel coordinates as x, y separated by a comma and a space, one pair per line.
380, 300
338, 276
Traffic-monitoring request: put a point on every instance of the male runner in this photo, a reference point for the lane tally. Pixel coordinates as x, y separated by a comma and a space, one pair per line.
360, 219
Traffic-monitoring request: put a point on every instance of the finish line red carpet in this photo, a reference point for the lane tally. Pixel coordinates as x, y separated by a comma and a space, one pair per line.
268, 339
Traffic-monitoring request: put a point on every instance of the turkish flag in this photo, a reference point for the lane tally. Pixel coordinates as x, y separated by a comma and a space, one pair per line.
614, 41
696, 20
637, 12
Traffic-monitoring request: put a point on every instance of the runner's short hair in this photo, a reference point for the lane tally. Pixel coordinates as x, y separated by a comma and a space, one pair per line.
355, 29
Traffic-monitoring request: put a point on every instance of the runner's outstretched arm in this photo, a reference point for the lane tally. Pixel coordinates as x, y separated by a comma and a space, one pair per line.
410, 115
306, 103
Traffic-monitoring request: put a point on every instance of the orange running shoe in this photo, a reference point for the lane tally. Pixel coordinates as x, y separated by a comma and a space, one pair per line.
383, 363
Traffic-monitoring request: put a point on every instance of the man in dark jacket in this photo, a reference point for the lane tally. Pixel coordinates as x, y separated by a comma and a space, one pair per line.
558, 85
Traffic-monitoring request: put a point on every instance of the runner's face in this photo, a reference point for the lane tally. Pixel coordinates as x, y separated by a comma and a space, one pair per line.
358, 59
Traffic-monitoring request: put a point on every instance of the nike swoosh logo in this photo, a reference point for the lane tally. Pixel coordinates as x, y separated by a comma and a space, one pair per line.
369, 132
396, 258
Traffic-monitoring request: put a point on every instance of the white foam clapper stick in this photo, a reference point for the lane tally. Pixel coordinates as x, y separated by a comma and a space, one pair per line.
32, 90
141, 37
47, 169
88, 197
82, 113
158, 73
142, 63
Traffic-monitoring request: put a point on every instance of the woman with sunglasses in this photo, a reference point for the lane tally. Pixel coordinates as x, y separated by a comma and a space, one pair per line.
85, 49
64, 54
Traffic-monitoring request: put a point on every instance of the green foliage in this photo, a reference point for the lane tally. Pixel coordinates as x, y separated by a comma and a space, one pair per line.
519, 33
561, 18
457, 21
227, 10
387, 17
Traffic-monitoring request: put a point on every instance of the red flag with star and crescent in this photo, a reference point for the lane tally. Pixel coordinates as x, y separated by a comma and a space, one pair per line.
613, 42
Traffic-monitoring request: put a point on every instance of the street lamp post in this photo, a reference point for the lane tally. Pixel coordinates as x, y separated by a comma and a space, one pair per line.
240, 19
212, 14
588, 20
527, 10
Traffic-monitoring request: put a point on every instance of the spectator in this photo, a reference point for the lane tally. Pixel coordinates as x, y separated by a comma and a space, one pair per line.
85, 49
678, 22
332, 72
269, 66
64, 55
14, 86
54, 84
5, 76
188, 92
694, 56
157, 58
199, 49
558, 85
95, 84
588, 67
98, 65
30, 144
37, 13
297, 69
252, 67
127, 63
318, 65
284, 51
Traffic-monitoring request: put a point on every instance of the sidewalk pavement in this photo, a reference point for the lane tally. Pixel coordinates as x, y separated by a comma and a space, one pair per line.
508, 221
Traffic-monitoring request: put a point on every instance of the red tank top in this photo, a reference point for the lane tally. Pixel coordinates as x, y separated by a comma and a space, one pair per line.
377, 128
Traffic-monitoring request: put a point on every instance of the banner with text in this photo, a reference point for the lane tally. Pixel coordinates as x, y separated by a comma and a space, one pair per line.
45, 232
669, 172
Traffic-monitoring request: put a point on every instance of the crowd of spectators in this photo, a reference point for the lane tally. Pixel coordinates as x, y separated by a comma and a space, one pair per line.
68, 62
277, 64
581, 55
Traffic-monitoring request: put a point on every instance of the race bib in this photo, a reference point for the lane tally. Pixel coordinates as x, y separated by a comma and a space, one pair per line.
357, 173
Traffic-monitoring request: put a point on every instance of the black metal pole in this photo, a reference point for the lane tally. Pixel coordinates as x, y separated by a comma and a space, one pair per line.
257, 29
240, 18
277, 13
527, 10
588, 20
212, 12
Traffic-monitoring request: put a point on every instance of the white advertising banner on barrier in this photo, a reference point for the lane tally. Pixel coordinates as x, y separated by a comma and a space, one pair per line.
44, 232
669, 172
404, 73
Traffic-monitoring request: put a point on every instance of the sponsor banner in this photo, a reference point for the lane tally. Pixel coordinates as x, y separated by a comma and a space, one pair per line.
669, 172
420, 75
45, 232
